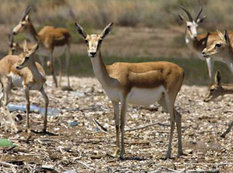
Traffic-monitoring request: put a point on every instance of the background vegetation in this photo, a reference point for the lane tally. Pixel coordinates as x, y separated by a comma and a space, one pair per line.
144, 29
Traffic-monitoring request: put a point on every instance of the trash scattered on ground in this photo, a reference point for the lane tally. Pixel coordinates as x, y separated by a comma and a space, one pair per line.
33, 108
6, 143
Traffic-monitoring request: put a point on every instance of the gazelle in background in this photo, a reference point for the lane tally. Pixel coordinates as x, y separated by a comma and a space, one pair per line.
22, 71
136, 83
53, 43
221, 49
197, 42
219, 89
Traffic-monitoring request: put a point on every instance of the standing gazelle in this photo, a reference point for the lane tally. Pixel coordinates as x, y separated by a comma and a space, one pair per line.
219, 89
53, 43
197, 42
22, 71
136, 83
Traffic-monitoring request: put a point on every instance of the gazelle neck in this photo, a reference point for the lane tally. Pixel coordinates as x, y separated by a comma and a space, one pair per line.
195, 43
32, 34
35, 72
100, 70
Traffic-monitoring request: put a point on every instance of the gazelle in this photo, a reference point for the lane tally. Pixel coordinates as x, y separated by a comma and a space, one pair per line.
135, 83
15, 48
221, 49
197, 42
22, 71
53, 43
219, 89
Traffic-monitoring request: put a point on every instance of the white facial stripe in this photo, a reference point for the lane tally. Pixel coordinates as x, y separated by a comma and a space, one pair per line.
93, 43
192, 28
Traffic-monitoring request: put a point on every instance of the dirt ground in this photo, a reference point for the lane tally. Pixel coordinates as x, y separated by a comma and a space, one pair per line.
86, 146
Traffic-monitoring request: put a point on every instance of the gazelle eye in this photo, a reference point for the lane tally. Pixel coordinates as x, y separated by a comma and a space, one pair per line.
188, 27
100, 41
86, 41
212, 90
218, 45
27, 57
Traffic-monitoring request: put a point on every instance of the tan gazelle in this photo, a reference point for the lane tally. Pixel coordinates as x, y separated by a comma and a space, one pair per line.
221, 49
217, 89
197, 42
22, 71
53, 43
136, 83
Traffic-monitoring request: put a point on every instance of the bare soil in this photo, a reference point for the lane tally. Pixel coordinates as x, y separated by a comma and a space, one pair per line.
86, 147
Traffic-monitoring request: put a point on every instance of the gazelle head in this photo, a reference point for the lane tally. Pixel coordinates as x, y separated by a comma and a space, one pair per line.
222, 45
214, 89
26, 55
24, 22
191, 24
93, 41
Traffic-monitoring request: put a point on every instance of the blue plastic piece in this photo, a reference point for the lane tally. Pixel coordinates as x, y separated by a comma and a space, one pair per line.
33, 108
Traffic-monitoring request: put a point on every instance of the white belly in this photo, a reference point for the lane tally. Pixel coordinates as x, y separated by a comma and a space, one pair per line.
57, 52
145, 97
16, 80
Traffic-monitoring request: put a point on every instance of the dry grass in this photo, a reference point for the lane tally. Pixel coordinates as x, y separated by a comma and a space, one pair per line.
150, 13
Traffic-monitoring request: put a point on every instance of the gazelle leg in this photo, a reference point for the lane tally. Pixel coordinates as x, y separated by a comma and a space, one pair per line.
170, 108
6, 87
6, 91
52, 69
46, 100
60, 71
117, 124
124, 105
178, 126
26, 90
68, 65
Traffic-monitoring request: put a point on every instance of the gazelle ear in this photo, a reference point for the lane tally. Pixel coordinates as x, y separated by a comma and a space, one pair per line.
35, 47
27, 18
220, 35
181, 18
218, 77
106, 30
25, 13
25, 46
80, 30
200, 20
226, 37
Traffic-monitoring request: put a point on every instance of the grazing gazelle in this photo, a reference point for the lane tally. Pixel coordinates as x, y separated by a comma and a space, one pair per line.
221, 49
219, 89
197, 42
22, 71
136, 83
53, 43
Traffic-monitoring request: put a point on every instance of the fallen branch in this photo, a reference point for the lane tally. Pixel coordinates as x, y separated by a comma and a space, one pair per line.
228, 130
7, 164
203, 171
102, 128
84, 164
140, 127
